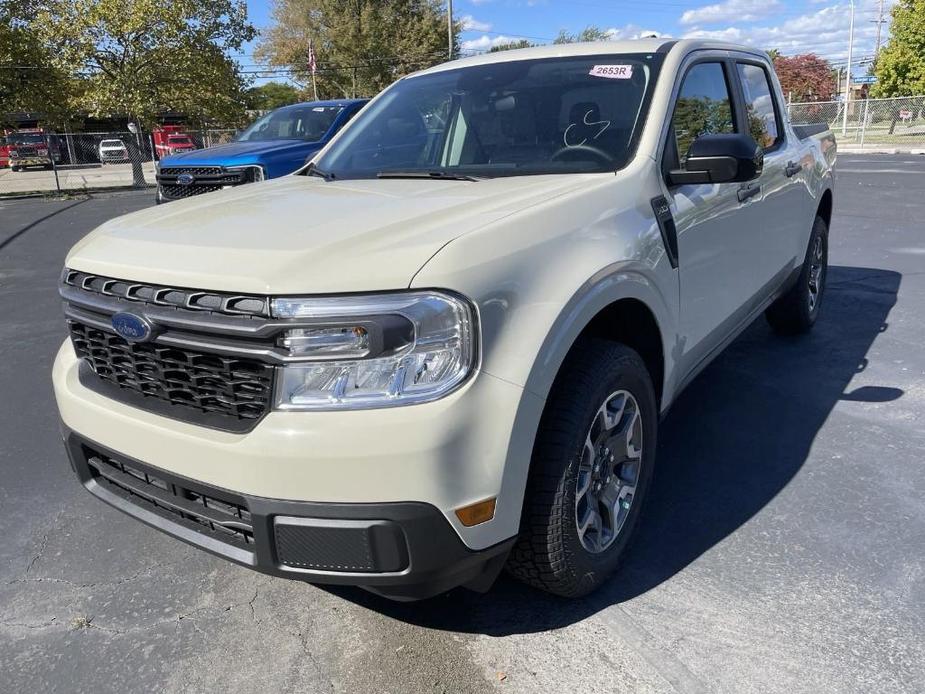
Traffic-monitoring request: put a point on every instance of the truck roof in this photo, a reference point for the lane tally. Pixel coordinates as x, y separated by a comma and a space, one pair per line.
565, 50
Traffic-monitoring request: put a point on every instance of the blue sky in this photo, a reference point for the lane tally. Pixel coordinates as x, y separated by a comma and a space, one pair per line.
792, 26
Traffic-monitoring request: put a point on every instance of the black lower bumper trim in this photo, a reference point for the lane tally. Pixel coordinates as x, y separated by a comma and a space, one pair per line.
401, 550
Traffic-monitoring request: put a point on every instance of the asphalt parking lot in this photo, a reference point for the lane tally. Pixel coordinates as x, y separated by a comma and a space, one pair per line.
783, 549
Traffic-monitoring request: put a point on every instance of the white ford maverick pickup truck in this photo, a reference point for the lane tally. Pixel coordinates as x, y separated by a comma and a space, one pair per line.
444, 346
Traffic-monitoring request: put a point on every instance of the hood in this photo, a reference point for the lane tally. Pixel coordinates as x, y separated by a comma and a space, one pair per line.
302, 235
237, 153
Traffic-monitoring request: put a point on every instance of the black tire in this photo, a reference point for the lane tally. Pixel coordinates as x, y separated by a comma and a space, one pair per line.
794, 313
549, 553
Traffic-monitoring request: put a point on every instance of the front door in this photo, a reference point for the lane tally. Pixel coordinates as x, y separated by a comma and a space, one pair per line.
715, 250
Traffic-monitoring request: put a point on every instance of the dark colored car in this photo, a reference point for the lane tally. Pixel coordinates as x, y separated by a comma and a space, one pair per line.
274, 145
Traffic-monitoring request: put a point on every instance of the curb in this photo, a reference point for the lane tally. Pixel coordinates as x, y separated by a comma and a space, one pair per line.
32, 195
880, 150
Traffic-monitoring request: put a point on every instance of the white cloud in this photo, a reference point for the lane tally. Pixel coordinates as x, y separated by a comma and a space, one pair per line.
470, 23
731, 11
633, 31
824, 33
484, 43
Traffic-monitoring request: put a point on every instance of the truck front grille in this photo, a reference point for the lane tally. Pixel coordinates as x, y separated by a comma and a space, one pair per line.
158, 295
205, 179
184, 380
212, 512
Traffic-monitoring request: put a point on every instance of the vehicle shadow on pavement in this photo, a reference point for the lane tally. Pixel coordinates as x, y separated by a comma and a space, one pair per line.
733, 440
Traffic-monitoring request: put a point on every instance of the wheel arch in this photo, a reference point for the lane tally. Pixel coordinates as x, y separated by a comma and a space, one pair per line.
824, 209
621, 305
632, 323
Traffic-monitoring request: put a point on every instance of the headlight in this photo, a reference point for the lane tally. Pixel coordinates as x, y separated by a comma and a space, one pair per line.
254, 172
374, 351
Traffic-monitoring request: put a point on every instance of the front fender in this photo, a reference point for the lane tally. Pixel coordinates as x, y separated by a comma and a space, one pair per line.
616, 282
539, 276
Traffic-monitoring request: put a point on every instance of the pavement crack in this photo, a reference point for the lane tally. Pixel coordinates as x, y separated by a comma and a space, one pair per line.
42, 547
22, 625
250, 604
74, 584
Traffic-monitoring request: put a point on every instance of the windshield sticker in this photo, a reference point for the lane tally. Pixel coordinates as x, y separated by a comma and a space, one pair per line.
613, 72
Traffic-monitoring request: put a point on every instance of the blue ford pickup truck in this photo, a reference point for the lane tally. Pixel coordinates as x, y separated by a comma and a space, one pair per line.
274, 145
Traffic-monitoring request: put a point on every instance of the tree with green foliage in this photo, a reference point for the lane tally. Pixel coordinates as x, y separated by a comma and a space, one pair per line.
511, 45
28, 79
589, 33
272, 95
137, 58
361, 46
900, 67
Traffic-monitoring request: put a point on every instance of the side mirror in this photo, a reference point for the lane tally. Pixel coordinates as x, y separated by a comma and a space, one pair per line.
726, 158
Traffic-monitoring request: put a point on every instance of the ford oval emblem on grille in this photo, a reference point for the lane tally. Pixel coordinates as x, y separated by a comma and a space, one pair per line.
185, 179
133, 328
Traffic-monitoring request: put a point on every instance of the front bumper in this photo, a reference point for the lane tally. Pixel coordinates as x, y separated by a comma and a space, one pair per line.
404, 551
471, 445
31, 161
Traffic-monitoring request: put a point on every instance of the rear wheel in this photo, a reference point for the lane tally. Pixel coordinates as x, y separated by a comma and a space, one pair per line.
796, 311
592, 464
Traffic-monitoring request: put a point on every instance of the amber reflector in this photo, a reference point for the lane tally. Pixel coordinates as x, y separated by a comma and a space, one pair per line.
476, 513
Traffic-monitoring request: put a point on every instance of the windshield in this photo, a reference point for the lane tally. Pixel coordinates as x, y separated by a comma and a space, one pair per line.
292, 123
178, 139
30, 138
112, 143
556, 115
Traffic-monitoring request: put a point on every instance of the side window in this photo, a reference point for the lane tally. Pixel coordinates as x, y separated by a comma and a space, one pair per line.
759, 104
703, 106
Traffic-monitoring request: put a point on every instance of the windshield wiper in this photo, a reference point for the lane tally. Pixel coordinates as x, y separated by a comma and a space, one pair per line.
313, 170
437, 175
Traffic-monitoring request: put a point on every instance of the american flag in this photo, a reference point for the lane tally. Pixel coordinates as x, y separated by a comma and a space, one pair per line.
311, 57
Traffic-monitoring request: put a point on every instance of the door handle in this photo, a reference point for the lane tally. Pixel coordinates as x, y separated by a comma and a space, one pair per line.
746, 192
792, 169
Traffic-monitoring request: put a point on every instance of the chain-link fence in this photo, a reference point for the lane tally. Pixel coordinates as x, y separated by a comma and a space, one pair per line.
37, 161
868, 123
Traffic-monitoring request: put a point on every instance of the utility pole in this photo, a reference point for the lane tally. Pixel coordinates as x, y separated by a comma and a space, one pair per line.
844, 119
880, 22
449, 29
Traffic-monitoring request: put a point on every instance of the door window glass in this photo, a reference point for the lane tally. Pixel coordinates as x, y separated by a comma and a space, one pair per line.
703, 106
759, 104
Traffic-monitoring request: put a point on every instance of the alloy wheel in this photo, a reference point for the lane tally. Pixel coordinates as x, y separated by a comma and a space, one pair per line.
816, 272
608, 472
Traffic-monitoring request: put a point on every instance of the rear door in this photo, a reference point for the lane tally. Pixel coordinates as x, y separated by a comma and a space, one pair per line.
776, 210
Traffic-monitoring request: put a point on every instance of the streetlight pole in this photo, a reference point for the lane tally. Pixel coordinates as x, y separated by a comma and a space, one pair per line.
844, 119
449, 29
879, 27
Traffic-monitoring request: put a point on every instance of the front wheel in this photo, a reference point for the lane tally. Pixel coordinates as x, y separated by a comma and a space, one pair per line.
796, 311
592, 463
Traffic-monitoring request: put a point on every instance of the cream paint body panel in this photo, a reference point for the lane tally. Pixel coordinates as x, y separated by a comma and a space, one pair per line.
301, 235
459, 452
538, 282
715, 275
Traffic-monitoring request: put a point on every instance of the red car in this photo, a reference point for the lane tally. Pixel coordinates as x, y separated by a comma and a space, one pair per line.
4, 153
